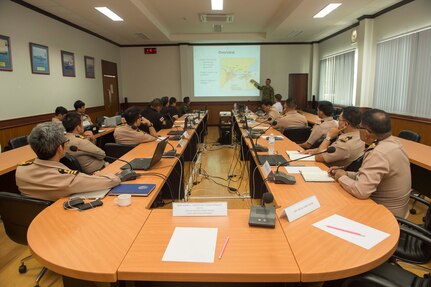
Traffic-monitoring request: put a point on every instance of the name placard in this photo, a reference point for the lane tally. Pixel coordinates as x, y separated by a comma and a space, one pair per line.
199, 209
185, 134
301, 208
180, 143
266, 169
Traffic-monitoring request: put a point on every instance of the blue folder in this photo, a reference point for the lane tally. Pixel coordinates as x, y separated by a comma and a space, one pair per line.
143, 189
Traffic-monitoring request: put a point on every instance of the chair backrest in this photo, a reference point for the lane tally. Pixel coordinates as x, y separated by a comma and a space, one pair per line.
71, 162
355, 165
17, 212
116, 150
297, 135
410, 135
18, 142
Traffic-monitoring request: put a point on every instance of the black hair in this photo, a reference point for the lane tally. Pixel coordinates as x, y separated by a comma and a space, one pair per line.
378, 121
60, 111
326, 107
352, 115
71, 121
267, 103
164, 100
155, 103
186, 100
78, 104
278, 97
269, 80
291, 103
132, 114
172, 100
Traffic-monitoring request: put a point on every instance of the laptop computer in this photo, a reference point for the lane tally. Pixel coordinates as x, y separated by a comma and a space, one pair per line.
273, 159
147, 162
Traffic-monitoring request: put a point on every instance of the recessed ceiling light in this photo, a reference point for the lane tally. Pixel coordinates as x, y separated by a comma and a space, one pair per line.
328, 9
109, 13
217, 4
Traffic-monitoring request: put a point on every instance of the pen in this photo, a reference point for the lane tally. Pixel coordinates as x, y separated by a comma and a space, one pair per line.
345, 230
223, 248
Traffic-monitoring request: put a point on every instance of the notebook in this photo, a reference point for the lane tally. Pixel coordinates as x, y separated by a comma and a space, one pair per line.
143, 189
319, 176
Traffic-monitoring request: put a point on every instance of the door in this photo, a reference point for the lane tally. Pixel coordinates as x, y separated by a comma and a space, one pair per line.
110, 88
298, 89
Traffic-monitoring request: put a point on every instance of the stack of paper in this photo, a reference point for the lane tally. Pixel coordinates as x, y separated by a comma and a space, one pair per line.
294, 155
301, 168
316, 176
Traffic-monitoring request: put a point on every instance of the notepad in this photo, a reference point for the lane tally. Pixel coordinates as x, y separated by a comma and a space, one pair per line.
321, 176
133, 189
295, 155
299, 168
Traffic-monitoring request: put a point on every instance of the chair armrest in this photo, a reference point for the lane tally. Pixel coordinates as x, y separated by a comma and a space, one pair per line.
420, 199
424, 238
414, 226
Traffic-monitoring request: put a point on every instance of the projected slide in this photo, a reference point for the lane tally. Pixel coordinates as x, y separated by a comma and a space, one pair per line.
226, 71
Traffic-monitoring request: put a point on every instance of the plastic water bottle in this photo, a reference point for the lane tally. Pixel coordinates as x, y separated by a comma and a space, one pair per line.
234, 107
271, 144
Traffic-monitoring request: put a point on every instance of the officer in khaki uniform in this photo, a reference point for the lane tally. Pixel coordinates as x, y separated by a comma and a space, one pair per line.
384, 175
291, 117
270, 112
348, 144
46, 178
325, 110
89, 156
130, 134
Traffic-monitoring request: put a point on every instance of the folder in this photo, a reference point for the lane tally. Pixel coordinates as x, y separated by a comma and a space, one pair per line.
143, 189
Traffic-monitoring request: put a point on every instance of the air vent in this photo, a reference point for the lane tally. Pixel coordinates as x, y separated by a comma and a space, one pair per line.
217, 28
224, 18
294, 34
142, 36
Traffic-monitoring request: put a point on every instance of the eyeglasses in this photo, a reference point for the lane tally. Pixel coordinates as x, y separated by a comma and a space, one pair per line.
64, 142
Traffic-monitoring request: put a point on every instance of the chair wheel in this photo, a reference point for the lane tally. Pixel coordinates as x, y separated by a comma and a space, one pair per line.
36, 285
412, 211
22, 269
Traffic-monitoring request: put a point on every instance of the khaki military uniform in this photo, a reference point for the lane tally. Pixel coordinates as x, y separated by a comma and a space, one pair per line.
86, 120
291, 119
89, 156
267, 92
127, 135
384, 177
51, 180
55, 120
349, 147
273, 114
321, 129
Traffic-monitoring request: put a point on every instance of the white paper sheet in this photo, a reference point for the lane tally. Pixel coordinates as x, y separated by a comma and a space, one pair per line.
191, 244
199, 209
294, 154
298, 168
316, 176
352, 231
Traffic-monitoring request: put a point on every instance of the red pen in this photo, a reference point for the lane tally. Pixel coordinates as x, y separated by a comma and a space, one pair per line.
223, 248
344, 230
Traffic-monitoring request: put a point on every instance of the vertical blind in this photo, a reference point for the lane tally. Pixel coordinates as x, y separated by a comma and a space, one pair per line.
337, 78
403, 75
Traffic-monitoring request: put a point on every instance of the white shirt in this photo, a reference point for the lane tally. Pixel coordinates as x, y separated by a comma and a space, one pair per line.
278, 107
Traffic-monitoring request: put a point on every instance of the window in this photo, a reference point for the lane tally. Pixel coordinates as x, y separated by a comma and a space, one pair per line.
403, 75
337, 78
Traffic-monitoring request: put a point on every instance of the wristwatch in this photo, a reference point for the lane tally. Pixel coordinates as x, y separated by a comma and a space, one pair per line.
151, 124
328, 138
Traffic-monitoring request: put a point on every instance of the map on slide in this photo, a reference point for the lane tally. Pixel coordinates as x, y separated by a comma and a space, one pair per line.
235, 73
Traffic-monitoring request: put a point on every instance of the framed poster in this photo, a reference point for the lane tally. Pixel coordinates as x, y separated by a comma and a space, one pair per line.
39, 59
68, 64
89, 67
5, 54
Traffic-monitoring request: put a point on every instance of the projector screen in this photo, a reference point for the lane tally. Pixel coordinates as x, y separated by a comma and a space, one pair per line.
226, 71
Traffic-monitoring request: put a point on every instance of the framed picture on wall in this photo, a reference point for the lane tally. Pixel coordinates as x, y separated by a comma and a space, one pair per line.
39, 59
89, 67
68, 64
5, 54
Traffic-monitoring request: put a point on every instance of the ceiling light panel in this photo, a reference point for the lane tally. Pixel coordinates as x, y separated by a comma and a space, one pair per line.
216, 4
108, 13
328, 9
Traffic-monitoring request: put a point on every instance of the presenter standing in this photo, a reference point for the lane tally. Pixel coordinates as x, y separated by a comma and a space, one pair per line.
267, 90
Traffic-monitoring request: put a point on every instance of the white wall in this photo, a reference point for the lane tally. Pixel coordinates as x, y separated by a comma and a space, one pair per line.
170, 72
23, 93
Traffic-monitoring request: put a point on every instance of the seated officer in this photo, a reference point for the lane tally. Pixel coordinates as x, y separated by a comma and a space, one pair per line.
291, 118
325, 110
86, 120
152, 113
185, 107
348, 143
270, 112
59, 114
172, 108
46, 178
384, 175
89, 156
130, 134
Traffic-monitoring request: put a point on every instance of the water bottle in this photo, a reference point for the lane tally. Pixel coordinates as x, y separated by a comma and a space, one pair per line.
234, 107
271, 144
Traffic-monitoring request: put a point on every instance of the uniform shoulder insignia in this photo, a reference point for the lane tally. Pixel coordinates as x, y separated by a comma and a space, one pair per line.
25, 163
67, 171
371, 146
346, 139
79, 136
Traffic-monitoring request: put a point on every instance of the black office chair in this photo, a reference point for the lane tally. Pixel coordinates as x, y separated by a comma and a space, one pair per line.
318, 142
355, 165
116, 150
410, 135
17, 212
297, 135
387, 275
71, 162
18, 142
414, 245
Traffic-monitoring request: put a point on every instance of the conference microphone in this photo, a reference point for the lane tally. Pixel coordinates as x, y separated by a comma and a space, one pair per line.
283, 178
176, 137
262, 215
172, 152
124, 175
264, 122
258, 147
